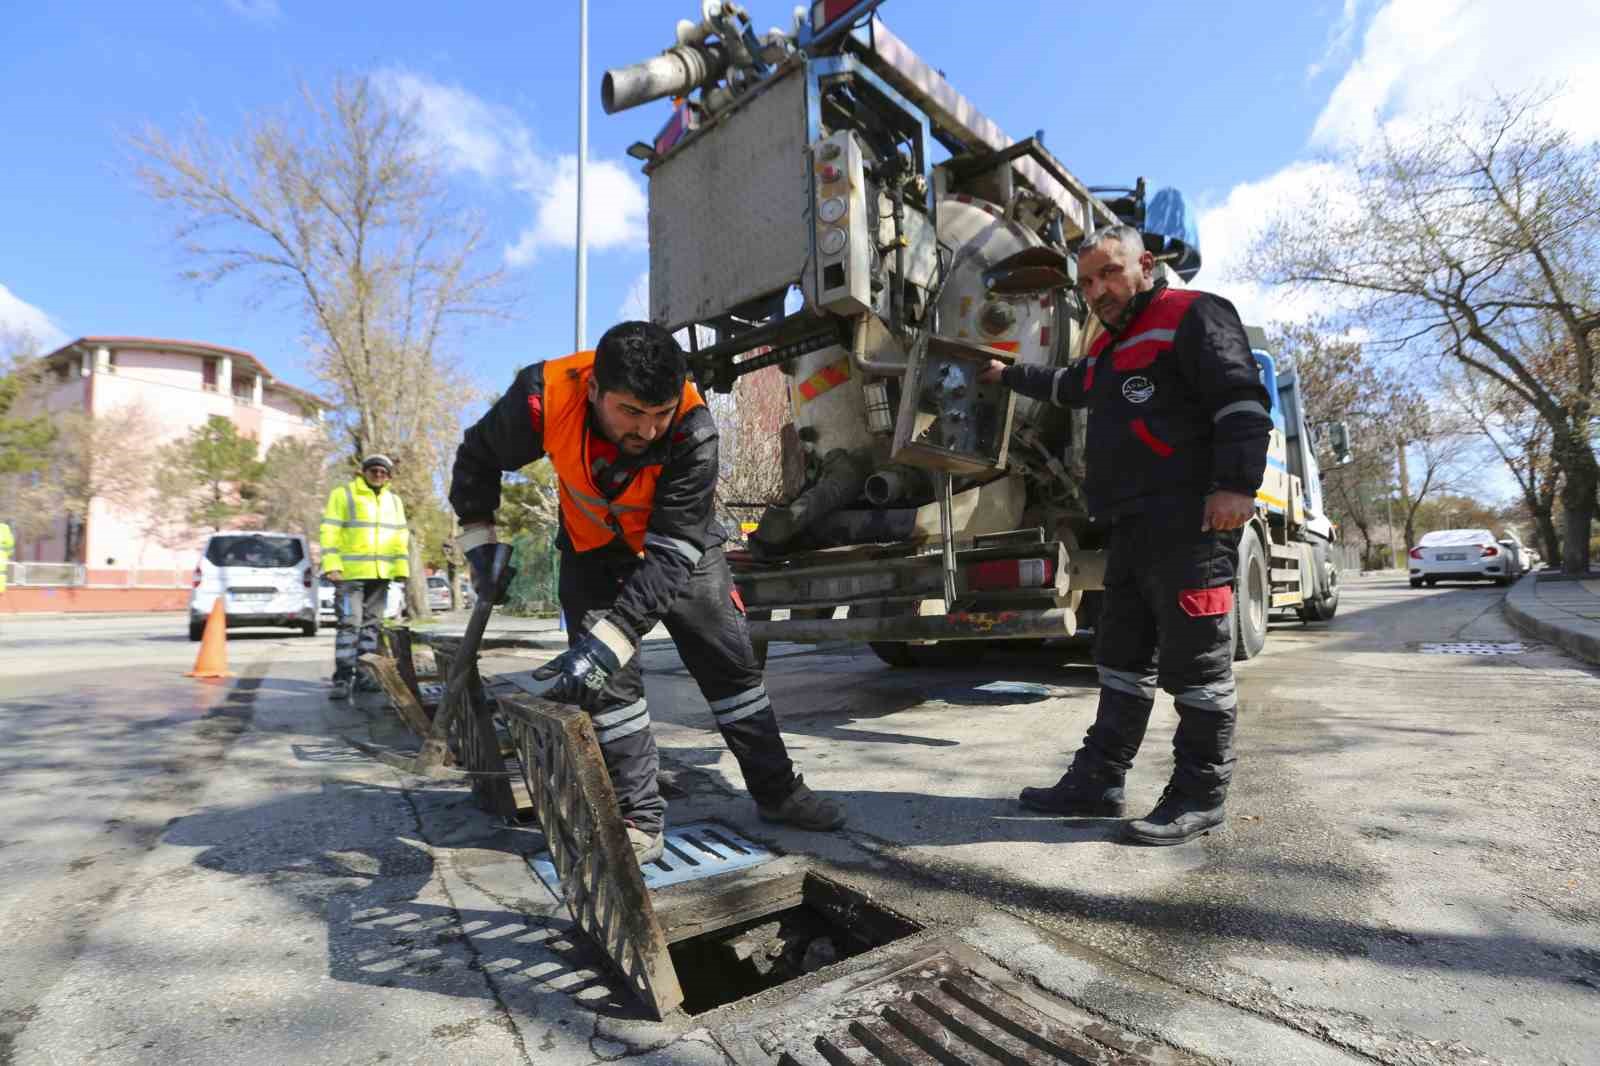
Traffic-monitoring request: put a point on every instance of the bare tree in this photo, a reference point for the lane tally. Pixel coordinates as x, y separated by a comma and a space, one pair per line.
107, 457
1521, 439
1470, 240
341, 210
749, 426
295, 475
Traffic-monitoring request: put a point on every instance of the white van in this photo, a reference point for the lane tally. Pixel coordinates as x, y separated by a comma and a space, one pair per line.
264, 578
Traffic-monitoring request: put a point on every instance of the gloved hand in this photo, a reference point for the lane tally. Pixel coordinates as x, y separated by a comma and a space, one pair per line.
481, 562
583, 669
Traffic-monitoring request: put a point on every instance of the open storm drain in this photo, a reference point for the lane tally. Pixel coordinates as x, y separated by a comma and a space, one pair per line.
1474, 647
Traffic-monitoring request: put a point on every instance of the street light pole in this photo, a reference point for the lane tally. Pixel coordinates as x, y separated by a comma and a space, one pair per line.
580, 327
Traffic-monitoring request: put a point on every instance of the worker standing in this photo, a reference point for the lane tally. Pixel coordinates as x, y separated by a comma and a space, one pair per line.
7, 544
1177, 444
634, 449
365, 545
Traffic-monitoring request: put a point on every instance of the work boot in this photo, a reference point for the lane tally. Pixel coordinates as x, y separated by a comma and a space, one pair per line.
804, 809
339, 691
646, 848
1082, 792
1177, 818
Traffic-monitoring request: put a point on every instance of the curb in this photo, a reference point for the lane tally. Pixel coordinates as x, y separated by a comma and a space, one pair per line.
1524, 611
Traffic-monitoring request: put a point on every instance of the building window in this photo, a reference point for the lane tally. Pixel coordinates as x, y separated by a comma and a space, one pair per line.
111, 362
208, 375
243, 390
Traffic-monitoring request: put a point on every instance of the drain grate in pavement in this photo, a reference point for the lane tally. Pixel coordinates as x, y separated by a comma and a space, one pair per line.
943, 1013
700, 849
1474, 647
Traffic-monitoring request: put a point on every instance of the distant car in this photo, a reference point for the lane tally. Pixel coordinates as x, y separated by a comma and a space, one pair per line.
263, 579
438, 593
1462, 555
393, 607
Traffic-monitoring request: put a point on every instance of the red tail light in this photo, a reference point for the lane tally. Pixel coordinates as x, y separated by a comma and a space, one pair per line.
826, 12
305, 578
1010, 574
1490, 549
1415, 553
197, 575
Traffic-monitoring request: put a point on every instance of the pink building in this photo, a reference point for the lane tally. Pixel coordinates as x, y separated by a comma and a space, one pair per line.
178, 385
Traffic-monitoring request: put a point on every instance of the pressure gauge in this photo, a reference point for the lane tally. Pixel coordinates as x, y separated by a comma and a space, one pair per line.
833, 241
832, 209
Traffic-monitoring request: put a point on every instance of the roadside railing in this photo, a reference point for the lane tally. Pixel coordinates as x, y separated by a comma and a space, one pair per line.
76, 575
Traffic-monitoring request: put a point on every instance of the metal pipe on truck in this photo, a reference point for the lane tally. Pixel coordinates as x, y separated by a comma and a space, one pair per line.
675, 72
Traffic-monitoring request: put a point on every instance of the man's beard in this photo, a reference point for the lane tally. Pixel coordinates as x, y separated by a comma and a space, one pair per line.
1120, 322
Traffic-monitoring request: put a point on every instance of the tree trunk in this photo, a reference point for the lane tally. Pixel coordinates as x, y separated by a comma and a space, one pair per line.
1577, 514
1549, 540
417, 583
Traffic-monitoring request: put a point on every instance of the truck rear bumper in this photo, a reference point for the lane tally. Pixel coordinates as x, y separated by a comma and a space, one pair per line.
958, 625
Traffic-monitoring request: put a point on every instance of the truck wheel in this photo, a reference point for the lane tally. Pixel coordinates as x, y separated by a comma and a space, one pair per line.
1251, 599
907, 655
196, 629
1416, 582
308, 629
759, 646
1320, 606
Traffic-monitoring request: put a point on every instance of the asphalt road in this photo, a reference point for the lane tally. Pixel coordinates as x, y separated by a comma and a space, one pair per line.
201, 872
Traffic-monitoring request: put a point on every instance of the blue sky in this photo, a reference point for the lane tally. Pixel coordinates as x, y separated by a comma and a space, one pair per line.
1230, 101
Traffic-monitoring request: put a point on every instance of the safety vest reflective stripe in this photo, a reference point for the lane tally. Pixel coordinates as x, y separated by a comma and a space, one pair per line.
364, 533
592, 520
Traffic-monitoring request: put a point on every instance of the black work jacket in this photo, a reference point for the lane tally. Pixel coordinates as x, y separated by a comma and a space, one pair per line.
683, 524
1176, 405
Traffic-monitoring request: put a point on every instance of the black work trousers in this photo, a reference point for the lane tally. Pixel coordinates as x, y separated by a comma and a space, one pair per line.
707, 625
1167, 621
358, 608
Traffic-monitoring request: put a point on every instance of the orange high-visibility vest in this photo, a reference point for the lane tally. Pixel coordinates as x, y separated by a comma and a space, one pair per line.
591, 520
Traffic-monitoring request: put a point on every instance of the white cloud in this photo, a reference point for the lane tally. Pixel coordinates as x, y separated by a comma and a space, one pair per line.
636, 305
1417, 62
1420, 60
474, 136
20, 319
1340, 35
614, 210
1228, 229
256, 10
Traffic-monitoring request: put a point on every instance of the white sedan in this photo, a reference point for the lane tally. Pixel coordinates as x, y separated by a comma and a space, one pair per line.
392, 607
1462, 555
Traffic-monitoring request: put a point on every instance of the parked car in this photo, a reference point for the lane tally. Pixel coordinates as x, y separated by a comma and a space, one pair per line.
263, 578
1461, 555
438, 593
393, 607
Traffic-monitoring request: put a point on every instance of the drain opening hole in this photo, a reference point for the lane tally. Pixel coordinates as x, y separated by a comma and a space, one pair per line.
828, 923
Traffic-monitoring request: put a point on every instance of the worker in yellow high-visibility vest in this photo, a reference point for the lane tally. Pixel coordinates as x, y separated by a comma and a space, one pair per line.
6, 546
364, 546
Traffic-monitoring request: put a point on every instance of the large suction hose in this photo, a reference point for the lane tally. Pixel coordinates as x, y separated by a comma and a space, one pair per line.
675, 72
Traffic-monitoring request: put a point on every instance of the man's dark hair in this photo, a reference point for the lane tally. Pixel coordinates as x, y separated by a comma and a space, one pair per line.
641, 358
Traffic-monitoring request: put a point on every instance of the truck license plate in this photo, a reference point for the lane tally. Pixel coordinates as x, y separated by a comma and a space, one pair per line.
251, 597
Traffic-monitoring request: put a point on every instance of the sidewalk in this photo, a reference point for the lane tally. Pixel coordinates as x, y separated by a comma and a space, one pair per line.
1562, 610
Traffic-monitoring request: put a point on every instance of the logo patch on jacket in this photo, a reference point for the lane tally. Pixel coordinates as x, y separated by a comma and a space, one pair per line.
1138, 389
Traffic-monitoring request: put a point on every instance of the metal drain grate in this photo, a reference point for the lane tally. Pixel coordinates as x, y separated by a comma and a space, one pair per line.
942, 1013
700, 849
1474, 647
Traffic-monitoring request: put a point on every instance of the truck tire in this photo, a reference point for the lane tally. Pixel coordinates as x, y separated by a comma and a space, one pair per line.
1321, 604
905, 655
759, 646
1252, 598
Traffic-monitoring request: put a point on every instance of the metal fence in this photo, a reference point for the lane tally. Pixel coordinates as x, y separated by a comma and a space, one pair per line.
76, 575
535, 589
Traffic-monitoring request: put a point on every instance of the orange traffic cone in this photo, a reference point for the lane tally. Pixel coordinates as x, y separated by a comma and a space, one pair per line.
213, 658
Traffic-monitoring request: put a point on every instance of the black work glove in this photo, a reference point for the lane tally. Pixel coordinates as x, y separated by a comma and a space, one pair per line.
481, 562
583, 669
